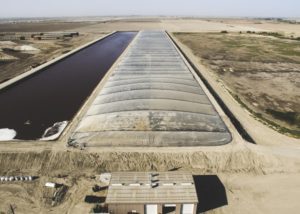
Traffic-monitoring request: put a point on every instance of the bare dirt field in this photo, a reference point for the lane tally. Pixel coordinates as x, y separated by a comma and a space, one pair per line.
169, 24
41, 26
237, 178
261, 72
287, 28
195, 25
159, 23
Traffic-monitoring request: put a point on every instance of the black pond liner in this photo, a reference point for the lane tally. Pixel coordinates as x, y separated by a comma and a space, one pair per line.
56, 93
91, 199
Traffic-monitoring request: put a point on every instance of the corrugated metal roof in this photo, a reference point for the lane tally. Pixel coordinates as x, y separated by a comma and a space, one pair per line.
152, 99
173, 187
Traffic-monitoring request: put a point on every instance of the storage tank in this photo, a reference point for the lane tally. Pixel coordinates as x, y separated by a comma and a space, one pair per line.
51, 185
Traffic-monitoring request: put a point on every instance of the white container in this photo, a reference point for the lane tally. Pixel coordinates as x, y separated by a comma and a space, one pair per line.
135, 185
105, 178
11, 178
51, 185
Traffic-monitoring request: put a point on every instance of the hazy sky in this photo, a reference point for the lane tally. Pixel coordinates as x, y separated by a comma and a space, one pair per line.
43, 8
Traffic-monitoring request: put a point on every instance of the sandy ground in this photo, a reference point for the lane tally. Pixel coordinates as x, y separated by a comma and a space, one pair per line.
286, 28
276, 193
263, 178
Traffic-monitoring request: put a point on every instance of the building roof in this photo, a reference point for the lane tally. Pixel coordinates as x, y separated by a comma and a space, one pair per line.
136, 187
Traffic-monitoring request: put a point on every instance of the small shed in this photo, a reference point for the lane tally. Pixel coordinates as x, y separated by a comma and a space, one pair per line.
152, 193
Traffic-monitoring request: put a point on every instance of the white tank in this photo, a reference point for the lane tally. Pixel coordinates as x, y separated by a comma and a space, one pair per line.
6, 178
50, 184
1, 178
30, 178
11, 178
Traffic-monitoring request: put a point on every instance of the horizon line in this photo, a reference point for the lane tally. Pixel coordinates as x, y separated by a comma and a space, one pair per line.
145, 16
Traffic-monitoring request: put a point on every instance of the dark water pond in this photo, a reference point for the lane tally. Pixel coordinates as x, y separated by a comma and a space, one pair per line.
57, 92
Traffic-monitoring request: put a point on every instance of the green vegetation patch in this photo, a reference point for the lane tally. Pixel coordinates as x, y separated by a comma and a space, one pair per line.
292, 118
275, 34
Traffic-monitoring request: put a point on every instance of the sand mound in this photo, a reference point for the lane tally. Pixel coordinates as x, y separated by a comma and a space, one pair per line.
26, 48
7, 43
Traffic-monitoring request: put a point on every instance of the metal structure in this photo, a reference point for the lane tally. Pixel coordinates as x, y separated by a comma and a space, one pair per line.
134, 191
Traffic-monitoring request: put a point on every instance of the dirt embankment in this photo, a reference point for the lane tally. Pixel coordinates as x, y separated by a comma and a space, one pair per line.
232, 159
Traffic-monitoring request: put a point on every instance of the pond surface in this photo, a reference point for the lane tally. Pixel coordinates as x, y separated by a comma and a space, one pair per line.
57, 92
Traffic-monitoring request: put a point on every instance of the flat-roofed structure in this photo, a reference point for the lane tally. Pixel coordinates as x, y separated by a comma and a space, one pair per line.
152, 99
151, 193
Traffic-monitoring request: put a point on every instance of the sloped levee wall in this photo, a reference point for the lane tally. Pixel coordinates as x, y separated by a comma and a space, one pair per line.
227, 160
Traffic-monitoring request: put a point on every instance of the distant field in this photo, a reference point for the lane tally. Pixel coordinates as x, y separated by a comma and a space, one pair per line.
261, 72
42, 26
